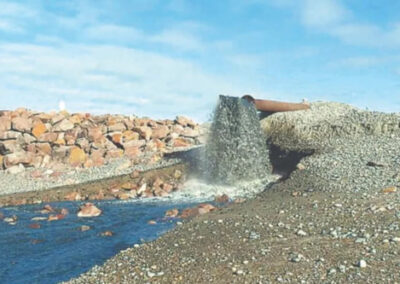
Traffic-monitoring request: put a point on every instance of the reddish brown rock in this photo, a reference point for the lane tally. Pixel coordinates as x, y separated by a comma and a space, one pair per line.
184, 121
107, 234
5, 123
144, 132
75, 119
89, 210
172, 213
95, 134
56, 217
20, 157
115, 153
97, 157
161, 131
34, 226
43, 148
63, 125
21, 124
222, 198
119, 126
47, 209
190, 132
167, 187
116, 138
73, 196
205, 208
77, 156
130, 135
180, 142
39, 129
189, 213
36, 174
48, 137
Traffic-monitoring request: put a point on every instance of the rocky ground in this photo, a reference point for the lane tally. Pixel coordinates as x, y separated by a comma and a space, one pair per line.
334, 220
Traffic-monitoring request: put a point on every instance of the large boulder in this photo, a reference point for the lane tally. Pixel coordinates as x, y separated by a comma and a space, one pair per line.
317, 128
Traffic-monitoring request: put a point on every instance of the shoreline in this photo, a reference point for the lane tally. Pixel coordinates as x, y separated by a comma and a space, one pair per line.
318, 225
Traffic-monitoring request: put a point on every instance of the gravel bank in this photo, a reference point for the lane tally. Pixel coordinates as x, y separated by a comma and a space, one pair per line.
23, 182
330, 222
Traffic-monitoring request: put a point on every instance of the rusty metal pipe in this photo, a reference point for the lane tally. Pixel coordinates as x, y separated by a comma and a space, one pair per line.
275, 106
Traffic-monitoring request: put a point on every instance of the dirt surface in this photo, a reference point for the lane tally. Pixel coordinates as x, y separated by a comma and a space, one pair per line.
336, 219
292, 233
94, 190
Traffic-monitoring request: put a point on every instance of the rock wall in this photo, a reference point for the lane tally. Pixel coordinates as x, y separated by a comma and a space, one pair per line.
317, 128
59, 139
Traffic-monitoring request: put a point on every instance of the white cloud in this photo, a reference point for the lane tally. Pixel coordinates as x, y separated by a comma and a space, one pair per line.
179, 40
107, 78
322, 13
109, 32
10, 27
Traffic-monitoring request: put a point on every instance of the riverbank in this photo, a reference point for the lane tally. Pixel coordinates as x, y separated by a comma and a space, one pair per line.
337, 213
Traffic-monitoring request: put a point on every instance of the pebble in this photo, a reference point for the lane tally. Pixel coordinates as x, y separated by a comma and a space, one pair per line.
362, 263
301, 233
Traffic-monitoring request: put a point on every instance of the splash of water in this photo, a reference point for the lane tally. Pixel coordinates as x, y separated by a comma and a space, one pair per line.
236, 149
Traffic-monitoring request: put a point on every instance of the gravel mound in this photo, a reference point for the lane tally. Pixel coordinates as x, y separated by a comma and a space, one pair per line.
314, 129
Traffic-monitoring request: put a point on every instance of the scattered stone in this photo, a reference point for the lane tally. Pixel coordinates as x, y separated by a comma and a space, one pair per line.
34, 226
84, 228
107, 234
89, 210
362, 263
172, 213
390, 189
222, 198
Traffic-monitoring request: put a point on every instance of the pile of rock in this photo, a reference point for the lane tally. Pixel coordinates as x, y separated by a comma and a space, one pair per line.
59, 139
318, 128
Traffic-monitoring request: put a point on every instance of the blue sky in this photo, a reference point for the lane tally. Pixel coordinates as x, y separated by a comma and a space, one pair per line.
160, 58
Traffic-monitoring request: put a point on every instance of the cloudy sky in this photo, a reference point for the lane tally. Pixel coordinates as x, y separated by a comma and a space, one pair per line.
160, 58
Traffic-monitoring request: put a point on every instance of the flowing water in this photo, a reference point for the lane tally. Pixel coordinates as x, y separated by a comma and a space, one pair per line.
59, 250
236, 163
236, 149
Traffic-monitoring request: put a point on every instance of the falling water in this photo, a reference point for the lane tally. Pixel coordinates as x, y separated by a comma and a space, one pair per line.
236, 149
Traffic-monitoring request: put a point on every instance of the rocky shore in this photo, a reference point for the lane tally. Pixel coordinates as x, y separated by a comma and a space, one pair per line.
42, 151
336, 219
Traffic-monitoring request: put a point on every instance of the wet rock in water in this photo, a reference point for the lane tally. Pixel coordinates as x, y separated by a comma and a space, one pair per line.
34, 226
56, 217
236, 149
64, 211
89, 210
1, 216
107, 234
11, 220
47, 209
152, 222
172, 213
39, 218
36, 241
84, 228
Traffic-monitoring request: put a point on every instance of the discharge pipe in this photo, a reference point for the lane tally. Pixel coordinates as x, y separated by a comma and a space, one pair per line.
275, 106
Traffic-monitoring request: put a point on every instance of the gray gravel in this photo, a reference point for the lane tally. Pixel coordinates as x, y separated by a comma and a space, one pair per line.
330, 222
